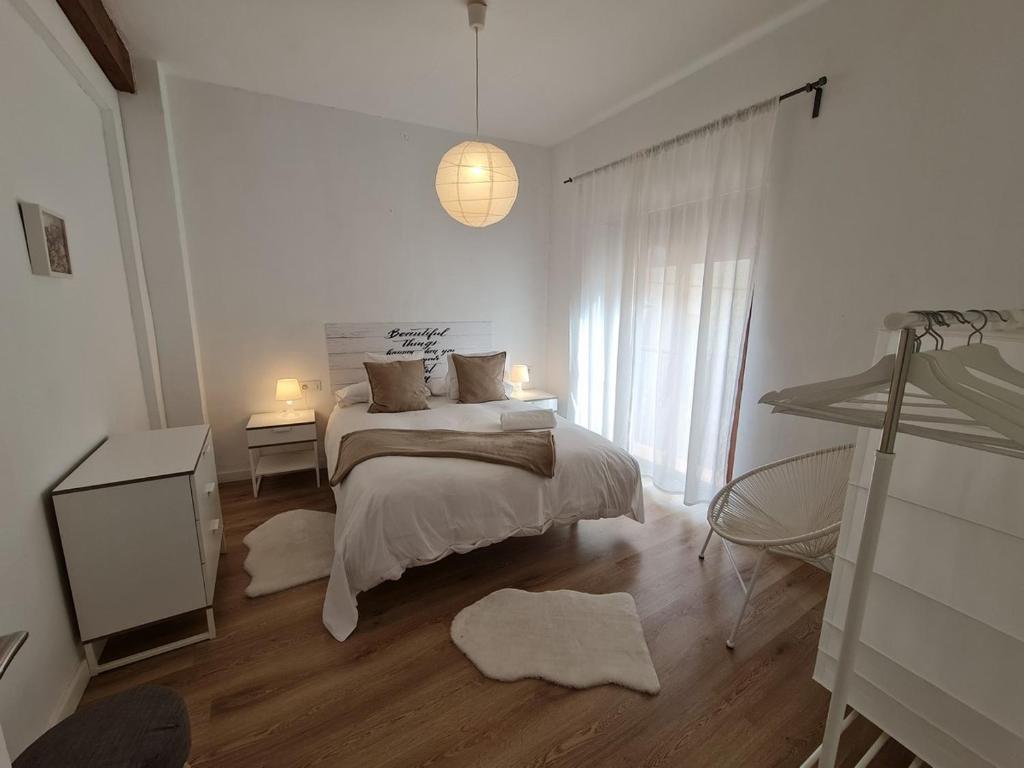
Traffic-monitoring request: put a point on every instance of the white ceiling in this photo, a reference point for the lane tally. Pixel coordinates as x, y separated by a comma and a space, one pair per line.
548, 68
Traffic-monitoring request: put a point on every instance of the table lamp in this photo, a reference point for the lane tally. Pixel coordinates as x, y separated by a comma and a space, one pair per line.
519, 375
289, 391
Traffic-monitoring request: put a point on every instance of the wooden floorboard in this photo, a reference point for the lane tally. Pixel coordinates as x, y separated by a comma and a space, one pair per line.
275, 689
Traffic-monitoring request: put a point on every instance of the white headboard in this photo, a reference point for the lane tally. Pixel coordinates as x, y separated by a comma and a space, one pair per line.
348, 343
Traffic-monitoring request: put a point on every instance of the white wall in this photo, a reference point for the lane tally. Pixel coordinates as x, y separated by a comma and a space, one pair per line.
297, 215
71, 370
905, 193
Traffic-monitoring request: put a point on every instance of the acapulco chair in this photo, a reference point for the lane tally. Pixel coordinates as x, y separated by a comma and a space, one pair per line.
791, 507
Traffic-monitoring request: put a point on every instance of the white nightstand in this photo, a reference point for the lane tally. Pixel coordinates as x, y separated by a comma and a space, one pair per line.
538, 398
266, 430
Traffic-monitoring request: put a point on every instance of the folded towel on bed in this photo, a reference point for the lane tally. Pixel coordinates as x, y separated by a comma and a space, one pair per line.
532, 451
535, 418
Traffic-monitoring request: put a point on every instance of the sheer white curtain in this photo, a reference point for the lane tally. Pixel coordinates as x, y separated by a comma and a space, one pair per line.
665, 243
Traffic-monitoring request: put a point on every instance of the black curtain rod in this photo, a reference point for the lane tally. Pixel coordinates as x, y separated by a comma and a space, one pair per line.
817, 86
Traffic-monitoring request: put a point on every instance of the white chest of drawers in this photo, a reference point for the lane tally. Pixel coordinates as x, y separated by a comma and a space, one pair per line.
140, 526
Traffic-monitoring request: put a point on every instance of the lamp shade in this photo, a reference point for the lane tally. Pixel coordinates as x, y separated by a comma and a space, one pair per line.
288, 389
476, 183
519, 374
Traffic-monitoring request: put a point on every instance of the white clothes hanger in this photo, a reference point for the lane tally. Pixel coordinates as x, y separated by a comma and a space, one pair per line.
920, 426
951, 371
874, 379
950, 368
940, 376
987, 359
951, 404
995, 414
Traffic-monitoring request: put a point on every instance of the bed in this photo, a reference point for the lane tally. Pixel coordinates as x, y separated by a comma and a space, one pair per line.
397, 512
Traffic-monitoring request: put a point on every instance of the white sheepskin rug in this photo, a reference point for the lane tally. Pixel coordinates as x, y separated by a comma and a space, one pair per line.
569, 638
289, 549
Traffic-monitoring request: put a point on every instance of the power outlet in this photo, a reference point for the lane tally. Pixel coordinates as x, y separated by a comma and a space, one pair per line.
310, 386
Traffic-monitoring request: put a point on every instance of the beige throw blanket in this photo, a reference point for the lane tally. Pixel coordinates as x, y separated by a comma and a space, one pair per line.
532, 451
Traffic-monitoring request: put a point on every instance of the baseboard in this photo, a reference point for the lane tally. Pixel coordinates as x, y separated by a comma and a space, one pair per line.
72, 694
232, 475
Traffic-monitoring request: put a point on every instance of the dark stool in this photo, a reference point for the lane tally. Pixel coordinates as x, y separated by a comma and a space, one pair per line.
146, 727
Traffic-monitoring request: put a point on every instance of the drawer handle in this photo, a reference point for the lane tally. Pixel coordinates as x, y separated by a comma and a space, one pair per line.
215, 525
210, 488
281, 429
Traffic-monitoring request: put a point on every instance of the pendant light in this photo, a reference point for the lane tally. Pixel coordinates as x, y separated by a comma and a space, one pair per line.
476, 181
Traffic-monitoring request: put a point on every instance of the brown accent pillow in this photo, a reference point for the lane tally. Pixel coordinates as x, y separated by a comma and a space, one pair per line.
397, 386
481, 379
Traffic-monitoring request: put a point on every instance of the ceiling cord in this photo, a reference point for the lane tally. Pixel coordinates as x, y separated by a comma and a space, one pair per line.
476, 36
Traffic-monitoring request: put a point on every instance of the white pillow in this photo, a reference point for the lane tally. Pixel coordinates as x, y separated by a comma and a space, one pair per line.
438, 386
453, 379
353, 393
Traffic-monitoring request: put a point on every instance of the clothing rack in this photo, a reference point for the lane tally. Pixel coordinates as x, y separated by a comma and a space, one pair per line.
815, 87
868, 412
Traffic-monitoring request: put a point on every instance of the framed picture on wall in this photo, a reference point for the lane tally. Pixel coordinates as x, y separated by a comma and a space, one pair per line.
47, 238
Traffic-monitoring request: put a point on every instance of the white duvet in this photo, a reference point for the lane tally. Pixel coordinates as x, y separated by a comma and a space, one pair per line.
396, 512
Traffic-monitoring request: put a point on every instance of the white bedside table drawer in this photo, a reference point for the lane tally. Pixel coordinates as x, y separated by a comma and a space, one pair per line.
282, 435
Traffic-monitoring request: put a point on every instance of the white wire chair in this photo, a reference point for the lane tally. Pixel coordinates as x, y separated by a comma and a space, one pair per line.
791, 507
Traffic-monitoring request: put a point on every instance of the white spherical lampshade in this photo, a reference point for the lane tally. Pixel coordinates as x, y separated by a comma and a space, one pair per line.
476, 183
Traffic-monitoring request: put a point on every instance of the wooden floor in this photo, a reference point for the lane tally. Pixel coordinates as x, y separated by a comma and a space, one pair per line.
275, 689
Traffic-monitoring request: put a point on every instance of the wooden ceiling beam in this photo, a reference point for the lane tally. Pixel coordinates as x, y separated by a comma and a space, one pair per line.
93, 24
